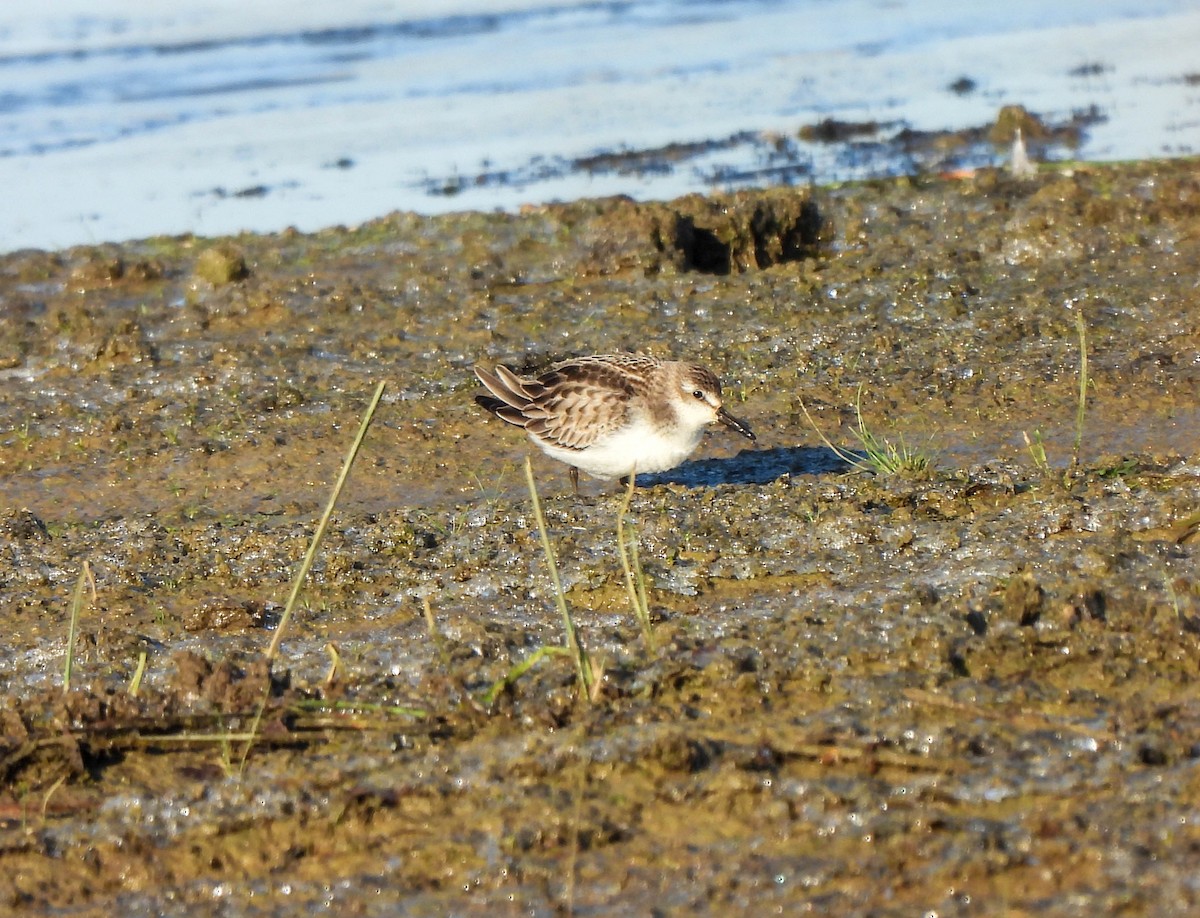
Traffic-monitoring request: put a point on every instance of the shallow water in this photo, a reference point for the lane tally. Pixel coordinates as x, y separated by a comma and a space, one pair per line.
215, 117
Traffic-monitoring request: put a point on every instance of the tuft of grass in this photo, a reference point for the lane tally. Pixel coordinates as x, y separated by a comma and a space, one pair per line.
584, 669
635, 579
877, 456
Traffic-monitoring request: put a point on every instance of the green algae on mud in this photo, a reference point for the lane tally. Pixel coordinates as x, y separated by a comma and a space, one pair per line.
975, 689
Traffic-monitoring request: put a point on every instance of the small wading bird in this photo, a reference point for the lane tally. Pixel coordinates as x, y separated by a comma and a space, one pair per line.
612, 415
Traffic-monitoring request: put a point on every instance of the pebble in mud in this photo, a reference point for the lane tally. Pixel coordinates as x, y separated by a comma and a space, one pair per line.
221, 264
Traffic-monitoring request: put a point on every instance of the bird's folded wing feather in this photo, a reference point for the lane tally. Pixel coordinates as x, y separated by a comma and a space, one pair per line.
580, 405
573, 406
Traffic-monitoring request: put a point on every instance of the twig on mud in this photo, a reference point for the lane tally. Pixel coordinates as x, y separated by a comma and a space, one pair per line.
874, 758
50, 793
1029, 719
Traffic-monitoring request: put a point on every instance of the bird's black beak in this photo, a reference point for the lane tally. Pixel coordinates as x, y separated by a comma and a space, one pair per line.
734, 424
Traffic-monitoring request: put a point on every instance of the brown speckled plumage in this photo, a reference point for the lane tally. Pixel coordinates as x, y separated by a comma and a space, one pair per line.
580, 409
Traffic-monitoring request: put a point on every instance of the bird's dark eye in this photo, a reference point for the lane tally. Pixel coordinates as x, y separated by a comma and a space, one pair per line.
699, 393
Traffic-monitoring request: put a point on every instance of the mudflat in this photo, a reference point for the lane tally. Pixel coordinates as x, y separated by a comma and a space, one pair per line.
951, 666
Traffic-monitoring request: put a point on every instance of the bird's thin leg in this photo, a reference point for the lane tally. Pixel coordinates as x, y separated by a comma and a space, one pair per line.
575, 479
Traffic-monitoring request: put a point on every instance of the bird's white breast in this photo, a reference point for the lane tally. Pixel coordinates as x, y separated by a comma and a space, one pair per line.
640, 447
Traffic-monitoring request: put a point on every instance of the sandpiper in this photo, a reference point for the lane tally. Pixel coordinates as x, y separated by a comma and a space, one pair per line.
611, 415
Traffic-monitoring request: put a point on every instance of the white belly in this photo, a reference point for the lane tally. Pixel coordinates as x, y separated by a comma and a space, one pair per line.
639, 448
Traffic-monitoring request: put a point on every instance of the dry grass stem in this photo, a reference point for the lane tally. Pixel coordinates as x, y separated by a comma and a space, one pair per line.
635, 580
583, 665
85, 578
323, 525
1081, 411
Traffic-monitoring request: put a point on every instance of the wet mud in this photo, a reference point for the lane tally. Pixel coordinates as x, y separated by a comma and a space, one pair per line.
967, 686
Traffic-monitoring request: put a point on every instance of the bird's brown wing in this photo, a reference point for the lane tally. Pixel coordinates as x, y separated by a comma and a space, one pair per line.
571, 406
584, 402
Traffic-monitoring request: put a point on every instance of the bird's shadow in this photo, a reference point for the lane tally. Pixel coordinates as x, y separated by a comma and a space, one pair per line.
750, 466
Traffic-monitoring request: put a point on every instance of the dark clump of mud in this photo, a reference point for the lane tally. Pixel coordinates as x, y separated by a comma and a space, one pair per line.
968, 684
